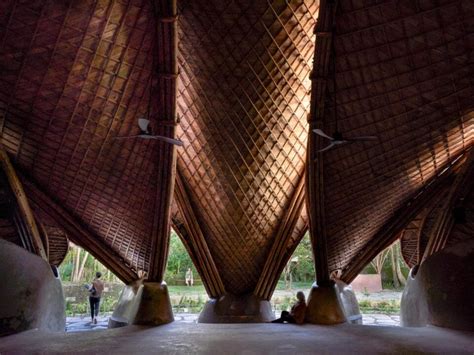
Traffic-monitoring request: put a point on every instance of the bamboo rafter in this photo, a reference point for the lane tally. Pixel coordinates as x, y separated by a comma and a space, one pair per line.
78, 233
25, 214
392, 229
196, 243
279, 254
458, 191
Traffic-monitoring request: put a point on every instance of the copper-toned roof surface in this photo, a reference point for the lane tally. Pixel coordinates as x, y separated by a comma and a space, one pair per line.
404, 74
235, 81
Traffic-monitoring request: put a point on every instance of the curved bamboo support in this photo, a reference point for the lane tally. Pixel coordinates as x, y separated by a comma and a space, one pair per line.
26, 213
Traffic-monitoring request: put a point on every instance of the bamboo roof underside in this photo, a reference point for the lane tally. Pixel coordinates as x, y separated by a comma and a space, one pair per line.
236, 82
404, 74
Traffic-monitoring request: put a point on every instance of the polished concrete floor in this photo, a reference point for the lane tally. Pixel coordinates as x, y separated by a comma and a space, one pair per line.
244, 339
83, 323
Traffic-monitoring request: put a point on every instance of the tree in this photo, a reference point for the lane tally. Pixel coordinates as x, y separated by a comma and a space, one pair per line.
397, 275
178, 259
378, 262
79, 266
300, 267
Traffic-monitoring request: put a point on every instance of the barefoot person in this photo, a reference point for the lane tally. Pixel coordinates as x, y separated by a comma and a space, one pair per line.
296, 314
95, 293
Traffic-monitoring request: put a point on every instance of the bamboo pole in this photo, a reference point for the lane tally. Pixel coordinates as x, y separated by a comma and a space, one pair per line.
25, 210
79, 234
166, 69
391, 230
276, 257
444, 222
314, 161
204, 261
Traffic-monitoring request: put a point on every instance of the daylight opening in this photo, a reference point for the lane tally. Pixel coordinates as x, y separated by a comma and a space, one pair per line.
77, 272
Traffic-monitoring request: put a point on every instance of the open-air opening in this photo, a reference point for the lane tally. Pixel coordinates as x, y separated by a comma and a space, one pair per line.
187, 293
77, 271
378, 287
298, 275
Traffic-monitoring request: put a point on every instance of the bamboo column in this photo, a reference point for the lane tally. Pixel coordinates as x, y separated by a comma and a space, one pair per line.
164, 114
315, 161
324, 306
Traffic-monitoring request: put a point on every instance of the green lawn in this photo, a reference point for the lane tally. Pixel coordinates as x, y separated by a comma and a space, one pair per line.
186, 290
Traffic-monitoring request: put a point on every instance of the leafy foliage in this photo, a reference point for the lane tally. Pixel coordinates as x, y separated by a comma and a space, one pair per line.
178, 262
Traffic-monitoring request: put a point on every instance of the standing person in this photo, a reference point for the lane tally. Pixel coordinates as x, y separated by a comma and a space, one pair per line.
189, 277
296, 314
95, 293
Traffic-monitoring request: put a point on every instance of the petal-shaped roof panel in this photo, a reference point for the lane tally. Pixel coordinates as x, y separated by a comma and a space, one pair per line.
243, 103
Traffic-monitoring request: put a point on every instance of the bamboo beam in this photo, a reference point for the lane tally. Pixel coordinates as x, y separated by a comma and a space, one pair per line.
279, 255
44, 237
165, 93
25, 211
444, 222
391, 230
197, 243
78, 233
315, 163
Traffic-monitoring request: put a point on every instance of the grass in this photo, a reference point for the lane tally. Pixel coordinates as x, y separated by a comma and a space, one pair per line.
186, 290
192, 300
387, 307
295, 286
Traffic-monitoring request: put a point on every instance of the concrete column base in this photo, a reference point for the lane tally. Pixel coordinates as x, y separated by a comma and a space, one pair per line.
348, 300
237, 309
324, 306
30, 294
143, 303
440, 291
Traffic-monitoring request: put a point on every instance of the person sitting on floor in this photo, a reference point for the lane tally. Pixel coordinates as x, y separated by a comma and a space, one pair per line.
297, 312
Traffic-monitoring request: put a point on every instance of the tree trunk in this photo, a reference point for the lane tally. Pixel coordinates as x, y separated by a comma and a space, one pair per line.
286, 271
379, 261
291, 280
75, 269
81, 270
396, 282
400, 275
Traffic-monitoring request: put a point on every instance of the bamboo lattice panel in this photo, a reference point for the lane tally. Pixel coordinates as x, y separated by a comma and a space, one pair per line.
243, 102
74, 75
404, 74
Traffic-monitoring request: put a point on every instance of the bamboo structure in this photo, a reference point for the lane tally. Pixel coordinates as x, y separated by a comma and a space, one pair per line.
242, 84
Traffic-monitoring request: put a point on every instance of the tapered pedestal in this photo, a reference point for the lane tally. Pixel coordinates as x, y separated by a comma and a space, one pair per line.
31, 297
145, 303
324, 306
236, 309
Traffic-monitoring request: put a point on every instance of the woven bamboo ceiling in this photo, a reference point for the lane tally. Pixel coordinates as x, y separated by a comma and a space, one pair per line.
234, 81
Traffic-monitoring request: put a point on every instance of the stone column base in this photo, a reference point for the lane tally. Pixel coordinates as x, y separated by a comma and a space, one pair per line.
236, 309
143, 303
348, 301
30, 294
324, 305
439, 292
